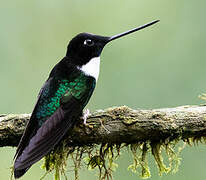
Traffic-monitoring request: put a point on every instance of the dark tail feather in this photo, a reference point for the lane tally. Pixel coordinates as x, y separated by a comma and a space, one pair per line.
19, 173
46, 137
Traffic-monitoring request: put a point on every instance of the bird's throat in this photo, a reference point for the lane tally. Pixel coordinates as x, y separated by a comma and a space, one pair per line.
91, 68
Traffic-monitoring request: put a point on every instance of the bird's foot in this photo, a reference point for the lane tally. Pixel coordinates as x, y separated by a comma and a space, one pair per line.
85, 115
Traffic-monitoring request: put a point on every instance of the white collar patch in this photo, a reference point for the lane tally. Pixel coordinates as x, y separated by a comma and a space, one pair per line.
92, 67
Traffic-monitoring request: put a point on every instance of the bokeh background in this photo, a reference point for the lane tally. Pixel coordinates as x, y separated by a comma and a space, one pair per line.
161, 66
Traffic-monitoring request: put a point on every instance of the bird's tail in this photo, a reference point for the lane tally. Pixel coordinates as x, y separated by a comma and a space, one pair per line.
20, 172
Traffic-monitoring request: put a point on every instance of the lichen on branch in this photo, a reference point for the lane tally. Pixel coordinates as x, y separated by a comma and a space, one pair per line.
108, 131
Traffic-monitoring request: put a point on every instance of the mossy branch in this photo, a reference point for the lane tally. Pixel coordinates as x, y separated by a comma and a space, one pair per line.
141, 131
120, 125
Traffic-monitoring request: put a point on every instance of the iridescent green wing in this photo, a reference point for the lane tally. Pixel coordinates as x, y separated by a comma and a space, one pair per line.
80, 88
59, 105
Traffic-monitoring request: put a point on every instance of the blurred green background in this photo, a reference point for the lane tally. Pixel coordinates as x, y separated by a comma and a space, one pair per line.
161, 66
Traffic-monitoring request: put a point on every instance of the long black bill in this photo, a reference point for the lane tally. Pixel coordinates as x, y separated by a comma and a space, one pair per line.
131, 31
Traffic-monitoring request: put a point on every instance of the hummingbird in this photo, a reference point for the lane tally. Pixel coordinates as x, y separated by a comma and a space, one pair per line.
62, 98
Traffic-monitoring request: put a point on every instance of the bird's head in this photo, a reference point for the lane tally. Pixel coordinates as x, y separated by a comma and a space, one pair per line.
85, 46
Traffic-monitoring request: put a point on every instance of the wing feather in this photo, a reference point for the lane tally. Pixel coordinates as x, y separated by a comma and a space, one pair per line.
32, 124
47, 136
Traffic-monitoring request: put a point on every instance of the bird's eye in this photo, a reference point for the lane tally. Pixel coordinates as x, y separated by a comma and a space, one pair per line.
88, 42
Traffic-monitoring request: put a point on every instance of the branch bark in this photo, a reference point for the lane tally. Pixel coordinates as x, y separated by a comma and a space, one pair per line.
120, 125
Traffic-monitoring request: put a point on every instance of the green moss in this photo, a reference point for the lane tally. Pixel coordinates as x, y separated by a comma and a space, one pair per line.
140, 151
156, 152
56, 160
202, 96
103, 158
129, 121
